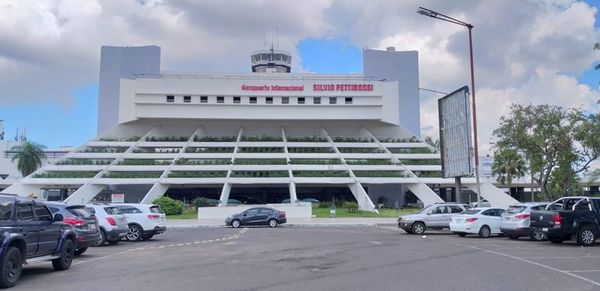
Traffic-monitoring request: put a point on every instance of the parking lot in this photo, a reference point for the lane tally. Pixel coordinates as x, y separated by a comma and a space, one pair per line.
323, 258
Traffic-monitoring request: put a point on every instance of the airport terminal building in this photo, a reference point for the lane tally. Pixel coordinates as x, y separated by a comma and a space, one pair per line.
269, 136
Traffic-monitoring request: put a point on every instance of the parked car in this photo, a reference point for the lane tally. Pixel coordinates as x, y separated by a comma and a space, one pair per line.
569, 217
435, 216
112, 223
144, 220
31, 234
516, 220
483, 221
82, 220
257, 216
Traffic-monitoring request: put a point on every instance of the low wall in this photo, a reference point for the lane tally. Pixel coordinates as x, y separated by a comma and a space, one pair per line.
300, 210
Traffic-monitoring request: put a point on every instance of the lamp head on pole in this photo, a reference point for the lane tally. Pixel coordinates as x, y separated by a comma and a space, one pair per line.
426, 12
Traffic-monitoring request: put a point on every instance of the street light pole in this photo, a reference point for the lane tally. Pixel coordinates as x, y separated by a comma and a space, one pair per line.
437, 15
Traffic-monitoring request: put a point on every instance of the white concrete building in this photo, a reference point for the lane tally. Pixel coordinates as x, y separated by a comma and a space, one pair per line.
269, 136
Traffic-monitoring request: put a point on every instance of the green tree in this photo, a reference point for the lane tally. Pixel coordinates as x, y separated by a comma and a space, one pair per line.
559, 143
29, 157
508, 165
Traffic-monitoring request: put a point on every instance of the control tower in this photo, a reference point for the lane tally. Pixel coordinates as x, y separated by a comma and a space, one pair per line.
271, 61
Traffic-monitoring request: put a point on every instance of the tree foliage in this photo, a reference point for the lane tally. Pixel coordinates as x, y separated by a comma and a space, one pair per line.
508, 165
559, 144
29, 157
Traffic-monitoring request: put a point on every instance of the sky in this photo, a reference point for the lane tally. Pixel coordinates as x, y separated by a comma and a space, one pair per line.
528, 51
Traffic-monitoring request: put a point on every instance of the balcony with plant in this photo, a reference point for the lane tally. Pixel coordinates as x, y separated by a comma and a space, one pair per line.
315, 161
66, 174
198, 174
261, 150
352, 139
129, 139
202, 150
259, 174
380, 174
309, 150
168, 138
77, 162
144, 162
215, 138
321, 174
428, 174
132, 175
157, 150
361, 150
412, 151
306, 139
105, 149
260, 162
398, 140
261, 138
429, 162
198, 162
369, 162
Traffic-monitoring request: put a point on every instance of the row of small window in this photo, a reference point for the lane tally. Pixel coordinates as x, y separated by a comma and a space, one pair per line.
268, 100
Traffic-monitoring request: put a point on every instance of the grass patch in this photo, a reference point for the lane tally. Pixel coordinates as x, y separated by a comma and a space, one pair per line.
341, 212
188, 213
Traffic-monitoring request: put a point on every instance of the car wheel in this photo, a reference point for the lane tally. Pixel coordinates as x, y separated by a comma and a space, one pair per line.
12, 265
513, 236
102, 240
80, 251
485, 232
586, 236
66, 256
462, 234
236, 223
134, 233
113, 242
556, 240
418, 228
537, 236
272, 223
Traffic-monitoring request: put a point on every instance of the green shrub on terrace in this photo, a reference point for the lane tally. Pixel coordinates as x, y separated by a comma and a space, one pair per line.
320, 174
309, 150
428, 174
260, 161
377, 174
198, 174
352, 139
208, 150
159, 150
259, 174
306, 139
110, 138
412, 151
167, 138
84, 162
261, 138
169, 205
143, 162
315, 161
369, 162
203, 162
133, 138
361, 150
105, 149
132, 175
398, 140
261, 150
66, 174
215, 138
421, 162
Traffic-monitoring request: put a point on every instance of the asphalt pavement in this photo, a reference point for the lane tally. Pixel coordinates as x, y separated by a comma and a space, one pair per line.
323, 258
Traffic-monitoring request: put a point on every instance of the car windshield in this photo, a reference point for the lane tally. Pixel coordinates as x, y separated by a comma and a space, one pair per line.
516, 209
472, 211
6, 204
112, 210
79, 211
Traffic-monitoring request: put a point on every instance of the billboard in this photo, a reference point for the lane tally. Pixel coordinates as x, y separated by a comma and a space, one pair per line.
455, 134
485, 166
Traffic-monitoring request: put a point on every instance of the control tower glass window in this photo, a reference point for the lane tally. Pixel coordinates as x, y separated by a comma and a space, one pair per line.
237, 99
317, 100
220, 99
170, 98
301, 100
285, 100
203, 99
187, 99
252, 100
269, 100
348, 100
332, 100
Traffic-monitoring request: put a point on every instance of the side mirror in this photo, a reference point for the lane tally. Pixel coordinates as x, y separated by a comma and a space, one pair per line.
58, 217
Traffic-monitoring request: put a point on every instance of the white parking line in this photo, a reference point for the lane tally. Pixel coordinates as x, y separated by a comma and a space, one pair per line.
563, 258
582, 271
524, 260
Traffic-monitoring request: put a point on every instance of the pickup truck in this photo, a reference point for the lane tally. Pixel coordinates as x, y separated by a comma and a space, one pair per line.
568, 218
30, 234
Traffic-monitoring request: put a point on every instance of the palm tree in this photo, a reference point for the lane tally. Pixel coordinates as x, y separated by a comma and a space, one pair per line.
30, 156
508, 164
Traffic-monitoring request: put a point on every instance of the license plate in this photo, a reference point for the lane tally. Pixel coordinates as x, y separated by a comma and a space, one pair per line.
545, 229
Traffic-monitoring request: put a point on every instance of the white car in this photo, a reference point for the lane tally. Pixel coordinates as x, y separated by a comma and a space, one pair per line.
112, 223
144, 220
483, 221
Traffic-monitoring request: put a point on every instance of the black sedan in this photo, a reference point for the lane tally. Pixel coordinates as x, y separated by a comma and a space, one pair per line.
257, 216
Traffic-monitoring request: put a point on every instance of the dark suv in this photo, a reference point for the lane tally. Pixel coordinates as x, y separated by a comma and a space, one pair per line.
31, 234
83, 221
